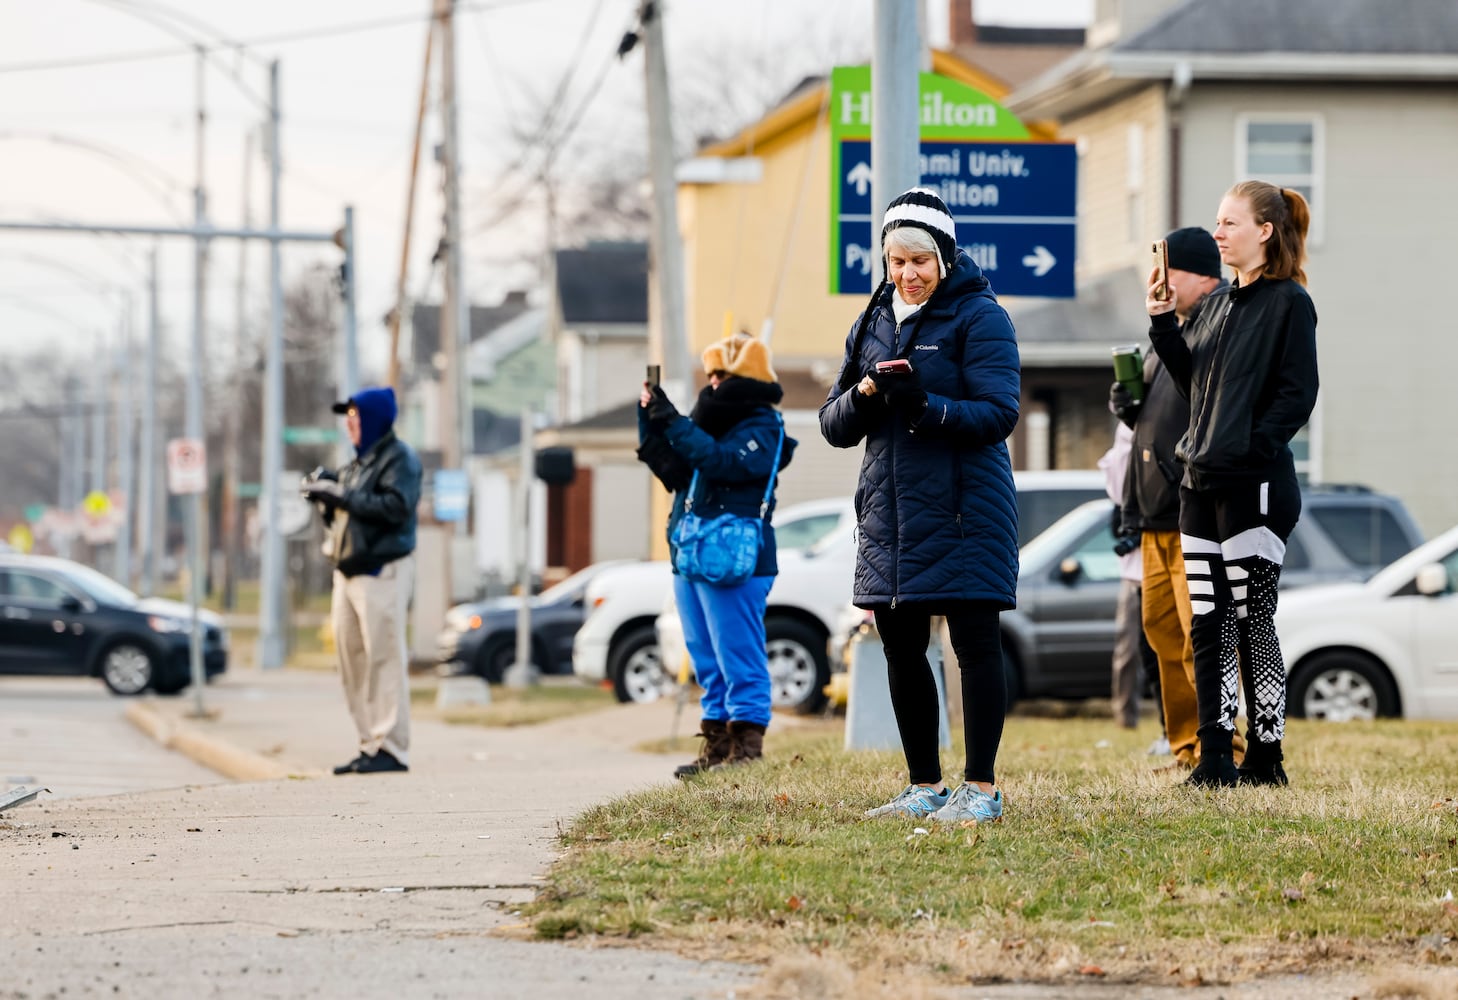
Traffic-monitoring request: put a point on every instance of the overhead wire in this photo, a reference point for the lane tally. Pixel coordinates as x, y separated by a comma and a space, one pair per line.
279, 38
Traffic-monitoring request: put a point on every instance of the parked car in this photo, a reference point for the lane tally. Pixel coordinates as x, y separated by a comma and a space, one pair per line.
815, 585
480, 637
1059, 641
60, 617
1386, 647
618, 642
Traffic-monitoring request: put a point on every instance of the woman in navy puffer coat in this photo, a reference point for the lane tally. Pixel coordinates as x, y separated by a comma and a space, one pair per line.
936, 504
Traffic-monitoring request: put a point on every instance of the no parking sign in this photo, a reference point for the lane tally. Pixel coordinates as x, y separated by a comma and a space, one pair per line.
187, 466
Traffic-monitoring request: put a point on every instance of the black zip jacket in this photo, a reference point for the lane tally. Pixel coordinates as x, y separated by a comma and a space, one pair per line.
1152, 487
1248, 365
374, 523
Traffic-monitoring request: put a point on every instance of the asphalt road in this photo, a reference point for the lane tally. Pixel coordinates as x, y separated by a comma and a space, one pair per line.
67, 734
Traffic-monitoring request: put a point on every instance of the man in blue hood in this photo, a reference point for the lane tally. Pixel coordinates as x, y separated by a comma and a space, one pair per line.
369, 509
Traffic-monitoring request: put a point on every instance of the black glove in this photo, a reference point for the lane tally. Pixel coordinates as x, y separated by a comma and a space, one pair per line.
1123, 405
1126, 535
671, 468
902, 390
661, 411
325, 491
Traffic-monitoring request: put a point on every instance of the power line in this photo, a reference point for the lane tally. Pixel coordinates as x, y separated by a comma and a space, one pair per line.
282, 38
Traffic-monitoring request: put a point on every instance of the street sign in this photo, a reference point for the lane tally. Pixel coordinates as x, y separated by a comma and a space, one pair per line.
1015, 206
187, 466
1015, 201
311, 435
452, 493
21, 539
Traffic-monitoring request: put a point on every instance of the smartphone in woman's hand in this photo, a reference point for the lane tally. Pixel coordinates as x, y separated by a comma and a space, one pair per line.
1160, 252
896, 366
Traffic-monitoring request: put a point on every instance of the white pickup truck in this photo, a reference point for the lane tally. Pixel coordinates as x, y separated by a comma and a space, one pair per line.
618, 641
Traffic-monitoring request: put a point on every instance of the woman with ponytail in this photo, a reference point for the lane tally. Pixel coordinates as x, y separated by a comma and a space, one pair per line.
1247, 362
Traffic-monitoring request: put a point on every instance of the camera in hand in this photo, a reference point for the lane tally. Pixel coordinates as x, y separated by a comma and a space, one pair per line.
1126, 543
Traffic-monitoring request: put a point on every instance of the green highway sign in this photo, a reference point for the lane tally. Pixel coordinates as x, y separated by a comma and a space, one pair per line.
311, 435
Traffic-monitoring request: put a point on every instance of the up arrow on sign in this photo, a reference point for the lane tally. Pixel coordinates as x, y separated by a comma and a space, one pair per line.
860, 177
1040, 260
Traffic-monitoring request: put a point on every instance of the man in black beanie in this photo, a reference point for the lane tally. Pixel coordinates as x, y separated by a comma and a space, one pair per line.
1152, 497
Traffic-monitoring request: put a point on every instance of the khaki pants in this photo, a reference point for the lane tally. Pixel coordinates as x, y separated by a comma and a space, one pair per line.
1167, 619
369, 614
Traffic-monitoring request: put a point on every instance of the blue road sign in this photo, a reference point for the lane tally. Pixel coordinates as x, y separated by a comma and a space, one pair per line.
452, 493
1016, 206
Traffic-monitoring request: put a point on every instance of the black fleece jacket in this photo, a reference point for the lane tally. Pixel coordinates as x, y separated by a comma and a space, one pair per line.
1248, 365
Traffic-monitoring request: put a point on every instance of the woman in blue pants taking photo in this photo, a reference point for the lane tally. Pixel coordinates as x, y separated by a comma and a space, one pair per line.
730, 441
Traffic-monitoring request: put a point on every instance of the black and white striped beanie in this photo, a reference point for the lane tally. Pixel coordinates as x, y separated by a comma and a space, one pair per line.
923, 208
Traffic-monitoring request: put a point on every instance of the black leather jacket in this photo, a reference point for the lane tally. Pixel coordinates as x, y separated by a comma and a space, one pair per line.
374, 523
1248, 365
1152, 487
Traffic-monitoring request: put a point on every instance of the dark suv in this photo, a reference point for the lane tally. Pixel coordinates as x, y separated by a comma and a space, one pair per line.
1059, 641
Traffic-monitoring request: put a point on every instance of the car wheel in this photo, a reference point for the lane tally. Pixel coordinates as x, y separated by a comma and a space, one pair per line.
799, 665
127, 668
496, 659
1012, 672
1341, 687
636, 666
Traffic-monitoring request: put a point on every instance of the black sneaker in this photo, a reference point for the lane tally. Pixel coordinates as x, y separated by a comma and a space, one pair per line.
1216, 770
380, 763
1262, 765
352, 767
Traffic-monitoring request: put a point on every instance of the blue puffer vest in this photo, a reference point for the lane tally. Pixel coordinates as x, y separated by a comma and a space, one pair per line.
936, 504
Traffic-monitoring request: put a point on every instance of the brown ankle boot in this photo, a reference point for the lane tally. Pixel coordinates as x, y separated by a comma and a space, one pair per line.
748, 742
717, 745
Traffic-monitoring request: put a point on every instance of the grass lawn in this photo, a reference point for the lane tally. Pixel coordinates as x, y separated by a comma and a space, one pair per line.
1101, 870
555, 698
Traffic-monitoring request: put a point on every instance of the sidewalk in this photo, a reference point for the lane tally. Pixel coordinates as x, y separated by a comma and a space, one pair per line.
314, 885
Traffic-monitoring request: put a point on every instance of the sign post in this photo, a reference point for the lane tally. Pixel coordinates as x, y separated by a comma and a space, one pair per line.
1015, 201
187, 474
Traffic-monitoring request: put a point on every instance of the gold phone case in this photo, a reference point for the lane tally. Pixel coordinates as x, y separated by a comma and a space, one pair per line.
1160, 250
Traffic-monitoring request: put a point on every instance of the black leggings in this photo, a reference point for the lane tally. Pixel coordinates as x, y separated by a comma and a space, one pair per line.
977, 642
1234, 542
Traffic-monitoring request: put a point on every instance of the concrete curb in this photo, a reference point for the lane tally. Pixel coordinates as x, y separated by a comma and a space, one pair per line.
209, 751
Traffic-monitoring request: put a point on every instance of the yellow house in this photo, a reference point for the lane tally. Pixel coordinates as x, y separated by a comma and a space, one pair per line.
755, 249
754, 211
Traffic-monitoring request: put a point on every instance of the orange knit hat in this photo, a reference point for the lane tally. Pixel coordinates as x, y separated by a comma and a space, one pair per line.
742, 355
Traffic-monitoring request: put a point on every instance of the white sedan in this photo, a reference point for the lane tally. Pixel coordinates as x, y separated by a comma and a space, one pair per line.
1387, 647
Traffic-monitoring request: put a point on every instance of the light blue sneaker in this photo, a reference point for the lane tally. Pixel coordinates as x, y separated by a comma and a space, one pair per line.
968, 802
913, 802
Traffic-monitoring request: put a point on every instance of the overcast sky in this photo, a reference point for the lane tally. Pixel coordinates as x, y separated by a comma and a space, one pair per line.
114, 76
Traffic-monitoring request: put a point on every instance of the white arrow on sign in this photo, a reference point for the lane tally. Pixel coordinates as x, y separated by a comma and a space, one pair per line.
860, 176
1040, 260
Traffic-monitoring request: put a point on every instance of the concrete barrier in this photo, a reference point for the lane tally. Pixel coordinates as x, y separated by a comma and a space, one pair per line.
462, 689
870, 723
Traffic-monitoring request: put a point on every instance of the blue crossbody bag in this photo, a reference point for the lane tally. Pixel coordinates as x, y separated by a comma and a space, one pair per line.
723, 550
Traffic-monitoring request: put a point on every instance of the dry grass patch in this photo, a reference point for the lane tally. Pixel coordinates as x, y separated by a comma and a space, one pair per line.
515, 706
1102, 870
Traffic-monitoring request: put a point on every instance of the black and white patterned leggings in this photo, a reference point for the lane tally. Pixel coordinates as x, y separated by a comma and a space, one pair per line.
1234, 541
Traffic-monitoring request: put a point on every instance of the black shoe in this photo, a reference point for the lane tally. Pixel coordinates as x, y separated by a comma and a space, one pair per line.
380, 763
352, 767
1271, 774
1216, 770
1262, 765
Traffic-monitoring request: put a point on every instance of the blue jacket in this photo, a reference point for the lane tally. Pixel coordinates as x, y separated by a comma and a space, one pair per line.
936, 505
733, 471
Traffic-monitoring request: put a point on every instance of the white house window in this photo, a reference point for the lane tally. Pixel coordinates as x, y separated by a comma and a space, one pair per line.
1286, 150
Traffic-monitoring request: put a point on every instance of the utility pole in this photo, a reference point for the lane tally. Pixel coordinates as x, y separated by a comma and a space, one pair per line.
667, 329
349, 346
895, 111
101, 391
149, 499
455, 313
232, 524
125, 448
199, 339
271, 595
397, 314
523, 672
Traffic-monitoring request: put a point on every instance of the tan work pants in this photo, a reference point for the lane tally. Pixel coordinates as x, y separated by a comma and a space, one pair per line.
369, 615
1167, 627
